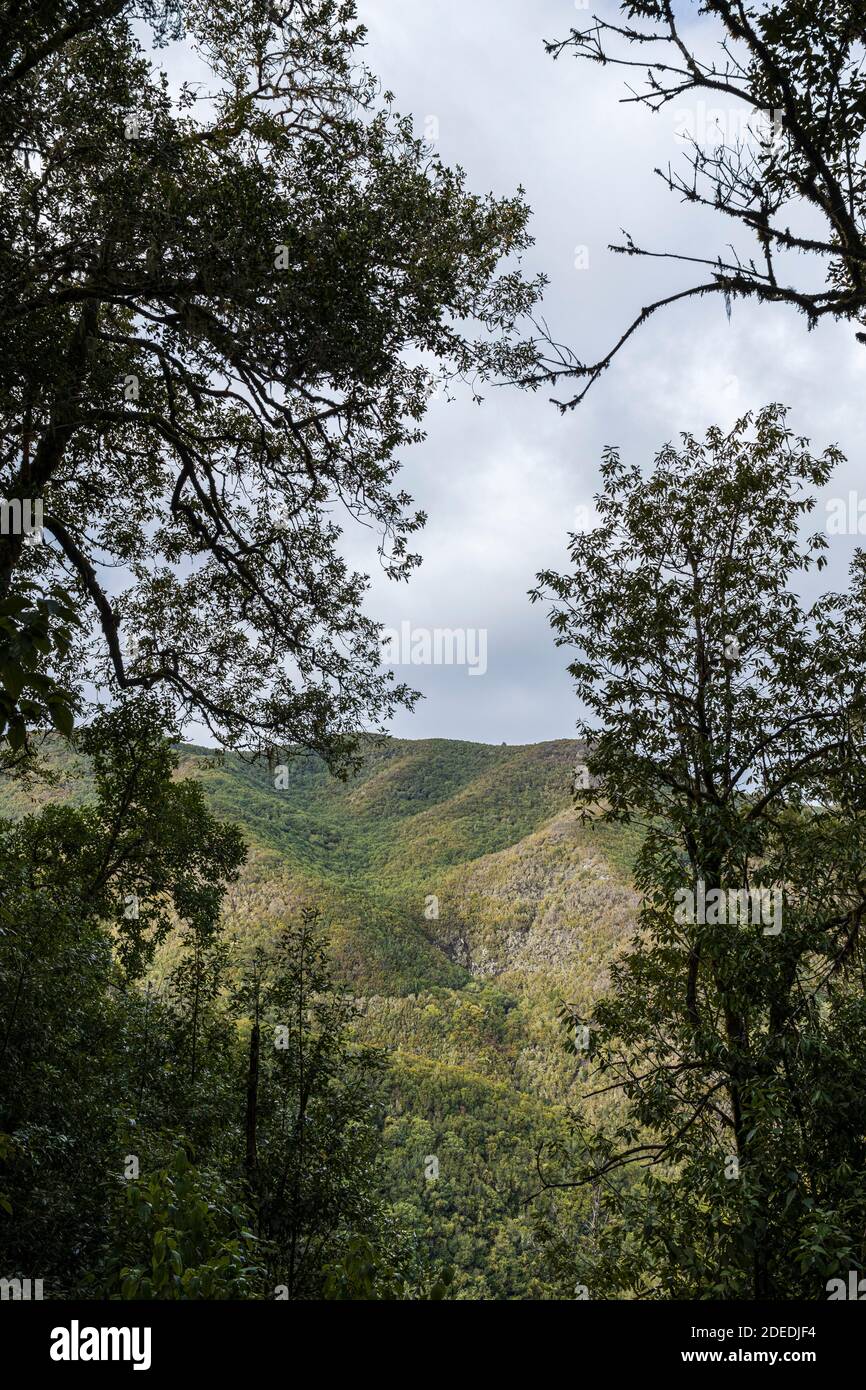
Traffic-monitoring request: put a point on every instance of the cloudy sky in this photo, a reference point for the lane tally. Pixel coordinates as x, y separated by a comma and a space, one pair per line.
502, 481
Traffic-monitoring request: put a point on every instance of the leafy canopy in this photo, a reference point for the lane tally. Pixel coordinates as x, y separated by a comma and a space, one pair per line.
225, 308
727, 719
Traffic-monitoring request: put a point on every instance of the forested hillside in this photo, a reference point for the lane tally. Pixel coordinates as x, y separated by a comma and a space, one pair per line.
464, 904
295, 354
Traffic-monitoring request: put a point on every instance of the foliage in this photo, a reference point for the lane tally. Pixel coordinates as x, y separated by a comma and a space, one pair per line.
728, 720
113, 1078
312, 1134
462, 1007
185, 1236
85, 897
361, 1274
473, 1208
33, 627
225, 309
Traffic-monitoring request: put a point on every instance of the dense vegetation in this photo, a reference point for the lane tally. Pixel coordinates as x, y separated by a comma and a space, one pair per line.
460, 1008
268, 1033
725, 715
424, 1031
226, 305
212, 1134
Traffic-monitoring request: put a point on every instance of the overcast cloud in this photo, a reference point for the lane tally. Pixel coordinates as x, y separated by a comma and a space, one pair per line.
502, 481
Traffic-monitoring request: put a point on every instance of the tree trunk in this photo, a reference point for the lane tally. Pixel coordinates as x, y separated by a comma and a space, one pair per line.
252, 1099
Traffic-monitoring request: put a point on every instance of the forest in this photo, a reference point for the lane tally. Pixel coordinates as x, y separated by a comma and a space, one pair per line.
294, 1007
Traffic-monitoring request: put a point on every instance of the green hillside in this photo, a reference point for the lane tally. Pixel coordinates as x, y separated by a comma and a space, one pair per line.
464, 903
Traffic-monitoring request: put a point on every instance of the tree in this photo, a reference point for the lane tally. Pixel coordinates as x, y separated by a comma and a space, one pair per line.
34, 34
87, 893
312, 1135
728, 720
794, 72
224, 311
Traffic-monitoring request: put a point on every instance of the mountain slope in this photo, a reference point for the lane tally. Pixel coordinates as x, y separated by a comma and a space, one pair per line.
464, 902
